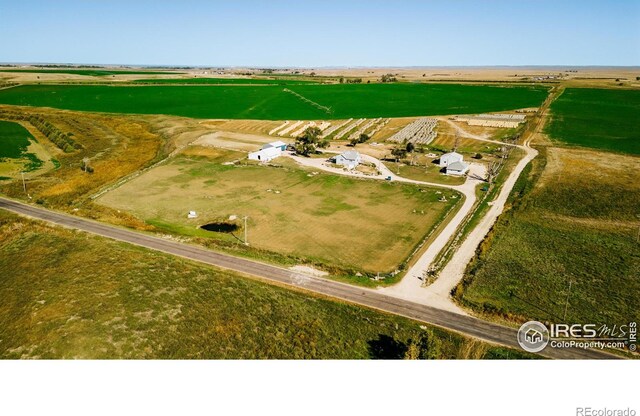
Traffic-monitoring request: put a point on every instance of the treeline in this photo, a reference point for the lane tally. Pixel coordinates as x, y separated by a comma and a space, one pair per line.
342, 80
64, 140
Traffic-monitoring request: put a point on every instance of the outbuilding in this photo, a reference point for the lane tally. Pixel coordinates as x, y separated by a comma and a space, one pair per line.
349, 159
279, 144
269, 151
457, 168
448, 158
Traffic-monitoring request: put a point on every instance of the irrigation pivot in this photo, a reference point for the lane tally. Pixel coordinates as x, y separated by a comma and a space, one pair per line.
313, 103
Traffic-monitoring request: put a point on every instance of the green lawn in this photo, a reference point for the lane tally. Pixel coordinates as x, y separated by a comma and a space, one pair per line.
14, 140
598, 118
90, 72
66, 294
275, 103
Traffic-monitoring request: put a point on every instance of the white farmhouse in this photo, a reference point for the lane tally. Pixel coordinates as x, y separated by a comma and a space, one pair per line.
349, 159
448, 158
269, 151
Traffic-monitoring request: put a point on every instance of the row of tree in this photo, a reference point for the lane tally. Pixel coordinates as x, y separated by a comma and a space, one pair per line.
342, 80
61, 139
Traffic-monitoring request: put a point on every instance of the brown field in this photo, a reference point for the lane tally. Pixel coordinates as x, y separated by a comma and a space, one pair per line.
361, 224
446, 139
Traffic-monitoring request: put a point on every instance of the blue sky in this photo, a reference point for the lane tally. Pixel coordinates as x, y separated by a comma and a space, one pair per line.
322, 33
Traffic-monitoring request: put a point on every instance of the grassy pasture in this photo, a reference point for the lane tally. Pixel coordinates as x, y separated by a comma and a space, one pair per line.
116, 146
574, 220
356, 224
89, 297
274, 103
88, 72
604, 119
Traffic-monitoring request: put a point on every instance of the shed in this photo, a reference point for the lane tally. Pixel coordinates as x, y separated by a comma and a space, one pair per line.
457, 168
279, 144
266, 154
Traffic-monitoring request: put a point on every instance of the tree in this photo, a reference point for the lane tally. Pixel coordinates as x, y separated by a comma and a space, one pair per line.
309, 141
425, 347
86, 166
363, 138
341, 80
354, 142
388, 78
399, 152
478, 156
410, 147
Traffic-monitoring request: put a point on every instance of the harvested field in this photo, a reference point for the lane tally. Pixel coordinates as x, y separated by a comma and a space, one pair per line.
356, 224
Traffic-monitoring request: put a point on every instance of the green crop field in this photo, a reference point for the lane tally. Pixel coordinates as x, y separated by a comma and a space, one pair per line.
574, 222
362, 225
67, 294
277, 103
16, 155
14, 140
598, 118
90, 72
215, 81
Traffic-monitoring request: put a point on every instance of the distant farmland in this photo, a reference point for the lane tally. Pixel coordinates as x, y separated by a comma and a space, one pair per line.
598, 118
214, 81
89, 72
277, 103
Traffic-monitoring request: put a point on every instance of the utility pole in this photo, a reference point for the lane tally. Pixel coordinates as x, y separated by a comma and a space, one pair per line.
24, 184
566, 305
246, 243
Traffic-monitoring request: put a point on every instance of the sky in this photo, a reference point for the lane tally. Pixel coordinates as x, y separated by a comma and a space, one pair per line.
276, 33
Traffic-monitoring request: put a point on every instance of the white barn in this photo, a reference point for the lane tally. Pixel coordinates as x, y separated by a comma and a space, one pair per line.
349, 159
448, 158
457, 168
269, 151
